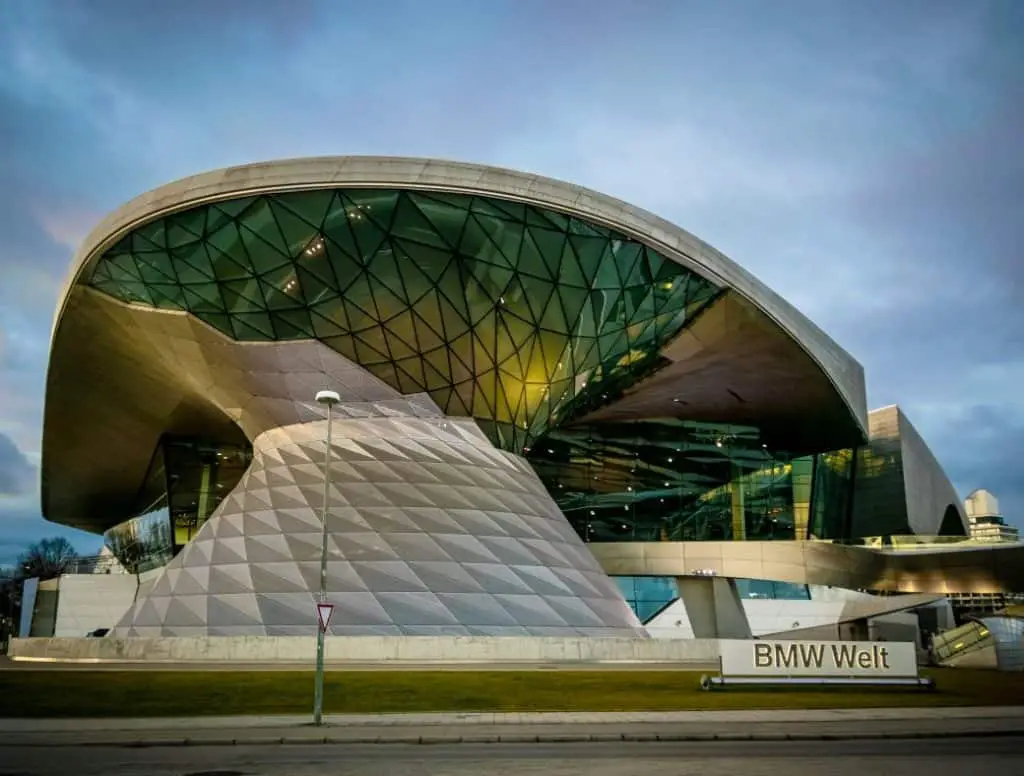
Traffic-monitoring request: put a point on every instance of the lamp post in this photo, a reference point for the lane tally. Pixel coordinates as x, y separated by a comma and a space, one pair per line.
328, 399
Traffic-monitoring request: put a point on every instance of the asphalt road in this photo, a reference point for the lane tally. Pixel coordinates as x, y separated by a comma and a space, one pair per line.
935, 757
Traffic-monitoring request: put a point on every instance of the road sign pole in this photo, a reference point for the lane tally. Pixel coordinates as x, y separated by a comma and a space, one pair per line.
328, 398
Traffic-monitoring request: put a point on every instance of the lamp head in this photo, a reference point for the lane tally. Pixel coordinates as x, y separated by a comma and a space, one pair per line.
327, 398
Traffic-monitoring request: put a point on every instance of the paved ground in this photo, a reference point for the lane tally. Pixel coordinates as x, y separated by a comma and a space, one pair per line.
951, 757
354, 730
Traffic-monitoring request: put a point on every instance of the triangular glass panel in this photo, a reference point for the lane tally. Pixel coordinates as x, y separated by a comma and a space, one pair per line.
258, 222
243, 296
155, 268
292, 324
252, 326
312, 206
411, 224
296, 232
203, 298
446, 213
149, 237
281, 289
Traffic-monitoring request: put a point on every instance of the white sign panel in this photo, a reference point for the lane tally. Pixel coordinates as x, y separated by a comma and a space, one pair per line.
866, 659
323, 614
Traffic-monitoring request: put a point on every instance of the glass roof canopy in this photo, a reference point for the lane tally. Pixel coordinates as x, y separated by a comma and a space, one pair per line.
520, 317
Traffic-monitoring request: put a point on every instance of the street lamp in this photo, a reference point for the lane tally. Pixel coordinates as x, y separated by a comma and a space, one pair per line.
328, 399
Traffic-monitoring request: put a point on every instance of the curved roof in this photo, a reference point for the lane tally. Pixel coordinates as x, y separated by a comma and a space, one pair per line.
775, 360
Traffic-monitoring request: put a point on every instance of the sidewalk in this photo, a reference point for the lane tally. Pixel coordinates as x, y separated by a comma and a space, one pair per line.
534, 727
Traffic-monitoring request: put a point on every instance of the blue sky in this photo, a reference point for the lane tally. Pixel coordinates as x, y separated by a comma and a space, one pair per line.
863, 158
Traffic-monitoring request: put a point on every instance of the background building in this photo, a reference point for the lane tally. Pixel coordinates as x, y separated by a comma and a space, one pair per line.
985, 519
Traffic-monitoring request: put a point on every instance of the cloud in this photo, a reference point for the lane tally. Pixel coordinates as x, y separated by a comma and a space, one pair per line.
861, 159
17, 474
982, 445
21, 525
66, 226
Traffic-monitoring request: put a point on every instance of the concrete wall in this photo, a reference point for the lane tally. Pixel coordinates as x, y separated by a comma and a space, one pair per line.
90, 601
29, 590
898, 626
371, 649
44, 609
928, 489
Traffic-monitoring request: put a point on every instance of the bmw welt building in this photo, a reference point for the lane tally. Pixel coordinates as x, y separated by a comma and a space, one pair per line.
559, 416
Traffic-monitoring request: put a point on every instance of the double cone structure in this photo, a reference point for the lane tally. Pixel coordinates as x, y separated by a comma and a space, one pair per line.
432, 531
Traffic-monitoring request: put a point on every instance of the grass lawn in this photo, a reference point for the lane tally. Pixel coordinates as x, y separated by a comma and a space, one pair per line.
30, 693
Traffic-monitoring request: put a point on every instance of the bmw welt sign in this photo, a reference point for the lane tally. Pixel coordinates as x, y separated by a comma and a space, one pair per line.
867, 659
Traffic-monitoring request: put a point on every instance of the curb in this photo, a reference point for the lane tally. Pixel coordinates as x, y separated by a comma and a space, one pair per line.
554, 738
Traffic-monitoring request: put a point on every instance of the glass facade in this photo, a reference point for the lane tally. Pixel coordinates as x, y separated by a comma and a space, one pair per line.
766, 589
675, 480
647, 596
650, 596
142, 543
187, 479
519, 317
199, 476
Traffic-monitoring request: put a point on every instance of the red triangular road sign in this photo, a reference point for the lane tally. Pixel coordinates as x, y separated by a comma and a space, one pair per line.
324, 611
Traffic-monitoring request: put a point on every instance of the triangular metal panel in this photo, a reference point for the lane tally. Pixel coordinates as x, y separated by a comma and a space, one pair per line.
477, 609
530, 610
230, 578
266, 549
496, 578
228, 551
231, 610
186, 611
358, 609
574, 611
465, 548
389, 576
413, 609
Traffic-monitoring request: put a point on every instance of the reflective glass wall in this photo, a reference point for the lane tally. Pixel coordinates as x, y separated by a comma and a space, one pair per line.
647, 596
518, 316
187, 479
675, 480
199, 476
650, 596
142, 543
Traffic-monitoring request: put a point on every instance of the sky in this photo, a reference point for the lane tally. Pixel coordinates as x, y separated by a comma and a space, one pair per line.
863, 158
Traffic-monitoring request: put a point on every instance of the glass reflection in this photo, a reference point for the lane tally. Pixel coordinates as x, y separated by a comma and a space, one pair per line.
515, 315
650, 596
677, 480
199, 475
142, 543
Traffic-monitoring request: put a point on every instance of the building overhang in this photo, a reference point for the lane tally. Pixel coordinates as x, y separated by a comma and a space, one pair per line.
984, 569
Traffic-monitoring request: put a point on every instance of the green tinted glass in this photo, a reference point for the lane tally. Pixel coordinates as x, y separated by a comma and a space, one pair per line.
519, 317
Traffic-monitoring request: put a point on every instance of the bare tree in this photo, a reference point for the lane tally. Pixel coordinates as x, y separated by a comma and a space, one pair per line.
46, 559
10, 603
